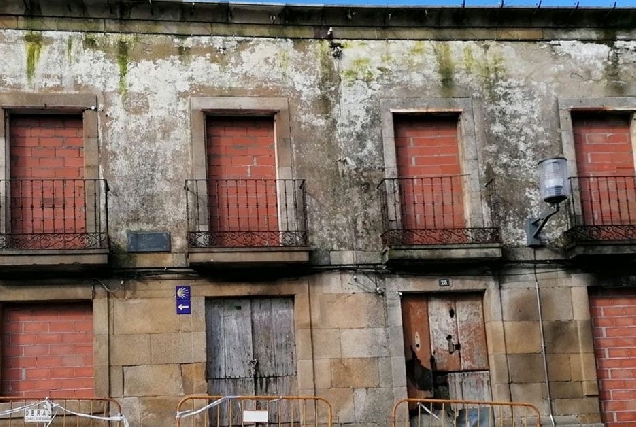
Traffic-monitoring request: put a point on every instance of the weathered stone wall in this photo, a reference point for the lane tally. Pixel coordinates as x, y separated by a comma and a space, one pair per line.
145, 73
145, 82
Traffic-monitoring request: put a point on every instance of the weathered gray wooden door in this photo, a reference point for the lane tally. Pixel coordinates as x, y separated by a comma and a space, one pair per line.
458, 337
250, 346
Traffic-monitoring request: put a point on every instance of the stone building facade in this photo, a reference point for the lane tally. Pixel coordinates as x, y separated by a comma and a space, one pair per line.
358, 178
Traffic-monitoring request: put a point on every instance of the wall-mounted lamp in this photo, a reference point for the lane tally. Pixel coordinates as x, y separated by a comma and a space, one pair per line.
553, 179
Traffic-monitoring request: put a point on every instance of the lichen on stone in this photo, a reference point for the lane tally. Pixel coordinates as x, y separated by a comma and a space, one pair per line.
33, 49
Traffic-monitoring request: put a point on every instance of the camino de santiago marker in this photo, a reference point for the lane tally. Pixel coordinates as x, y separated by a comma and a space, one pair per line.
182, 298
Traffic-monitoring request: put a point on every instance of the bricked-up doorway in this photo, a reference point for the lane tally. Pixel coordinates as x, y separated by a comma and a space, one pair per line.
47, 350
605, 167
429, 176
250, 346
47, 188
614, 320
242, 186
445, 346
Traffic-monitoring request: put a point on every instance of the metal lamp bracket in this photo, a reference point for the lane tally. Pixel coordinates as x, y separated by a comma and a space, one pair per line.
535, 225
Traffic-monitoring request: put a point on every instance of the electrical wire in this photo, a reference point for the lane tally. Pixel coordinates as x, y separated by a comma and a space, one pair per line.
103, 285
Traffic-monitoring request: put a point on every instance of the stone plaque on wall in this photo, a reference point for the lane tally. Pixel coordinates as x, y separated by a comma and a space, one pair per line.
148, 241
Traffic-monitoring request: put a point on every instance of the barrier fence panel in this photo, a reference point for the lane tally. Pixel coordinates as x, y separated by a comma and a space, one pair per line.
463, 413
225, 411
60, 411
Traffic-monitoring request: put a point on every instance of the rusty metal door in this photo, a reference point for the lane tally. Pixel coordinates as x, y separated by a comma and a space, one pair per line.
417, 346
250, 346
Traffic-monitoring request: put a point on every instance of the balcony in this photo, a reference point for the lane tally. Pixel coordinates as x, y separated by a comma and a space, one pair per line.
241, 222
601, 216
53, 223
424, 221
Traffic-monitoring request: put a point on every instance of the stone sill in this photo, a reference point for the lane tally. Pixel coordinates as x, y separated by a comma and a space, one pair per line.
442, 254
247, 257
601, 249
75, 259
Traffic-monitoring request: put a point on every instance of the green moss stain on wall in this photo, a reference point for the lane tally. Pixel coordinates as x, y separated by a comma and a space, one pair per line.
283, 62
418, 48
119, 49
612, 69
33, 49
69, 49
329, 79
184, 53
220, 56
360, 70
352, 44
89, 41
446, 68
491, 71
122, 60
613, 72
469, 59
415, 55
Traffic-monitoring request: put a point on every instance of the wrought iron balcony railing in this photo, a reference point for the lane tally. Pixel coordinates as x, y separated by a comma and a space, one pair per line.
429, 211
602, 208
246, 213
53, 214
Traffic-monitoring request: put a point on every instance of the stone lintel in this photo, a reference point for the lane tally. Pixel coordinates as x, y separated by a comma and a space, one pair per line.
53, 259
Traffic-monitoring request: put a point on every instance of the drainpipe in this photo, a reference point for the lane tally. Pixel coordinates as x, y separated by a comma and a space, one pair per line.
543, 351
311, 335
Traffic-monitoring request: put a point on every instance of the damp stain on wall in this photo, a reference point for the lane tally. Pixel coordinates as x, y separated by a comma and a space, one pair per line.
33, 50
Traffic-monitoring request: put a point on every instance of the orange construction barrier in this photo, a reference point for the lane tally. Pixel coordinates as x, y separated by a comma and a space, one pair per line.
463, 413
222, 411
60, 411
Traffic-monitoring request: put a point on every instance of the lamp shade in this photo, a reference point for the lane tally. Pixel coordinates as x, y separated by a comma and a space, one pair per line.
553, 179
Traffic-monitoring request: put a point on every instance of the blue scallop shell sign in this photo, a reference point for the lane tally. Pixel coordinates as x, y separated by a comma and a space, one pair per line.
182, 298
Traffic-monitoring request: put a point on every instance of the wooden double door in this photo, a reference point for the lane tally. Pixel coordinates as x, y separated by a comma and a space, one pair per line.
250, 346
